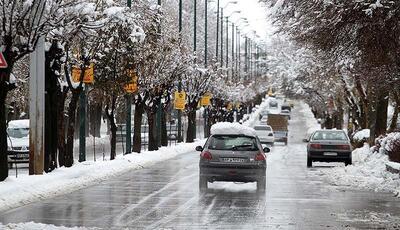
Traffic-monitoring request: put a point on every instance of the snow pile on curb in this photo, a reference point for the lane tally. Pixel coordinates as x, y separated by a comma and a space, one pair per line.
36, 226
361, 135
367, 172
311, 122
227, 128
254, 116
25, 189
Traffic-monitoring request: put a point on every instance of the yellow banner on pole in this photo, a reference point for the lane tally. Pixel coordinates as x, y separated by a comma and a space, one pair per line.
132, 86
206, 99
88, 75
180, 100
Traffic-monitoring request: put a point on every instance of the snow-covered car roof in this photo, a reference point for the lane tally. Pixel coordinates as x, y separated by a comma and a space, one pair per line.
19, 124
227, 128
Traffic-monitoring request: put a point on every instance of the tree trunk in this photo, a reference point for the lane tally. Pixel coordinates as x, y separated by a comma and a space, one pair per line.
61, 145
95, 119
393, 123
113, 140
152, 138
191, 131
381, 117
137, 128
69, 154
3, 133
5, 87
164, 132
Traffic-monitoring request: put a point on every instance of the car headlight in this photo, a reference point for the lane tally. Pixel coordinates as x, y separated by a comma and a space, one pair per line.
9, 148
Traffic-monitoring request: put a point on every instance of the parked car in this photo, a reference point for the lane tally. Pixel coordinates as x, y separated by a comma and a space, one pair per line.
273, 104
232, 156
286, 112
265, 134
286, 107
18, 142
329, 146
264, 120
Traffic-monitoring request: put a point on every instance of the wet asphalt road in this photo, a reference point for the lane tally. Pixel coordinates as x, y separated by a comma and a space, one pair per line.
166, 196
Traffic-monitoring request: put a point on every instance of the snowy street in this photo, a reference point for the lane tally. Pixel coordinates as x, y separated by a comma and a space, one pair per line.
166, 196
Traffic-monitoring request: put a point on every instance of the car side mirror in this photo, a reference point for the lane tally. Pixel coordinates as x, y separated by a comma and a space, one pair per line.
266, 150
199, 148
305, 140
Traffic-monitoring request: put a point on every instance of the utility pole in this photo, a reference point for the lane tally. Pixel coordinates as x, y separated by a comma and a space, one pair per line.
82, 123
159, 108
233, 50
216, 51
205, 59
227, 46
222, 37
128, 126
180, 79
245, 58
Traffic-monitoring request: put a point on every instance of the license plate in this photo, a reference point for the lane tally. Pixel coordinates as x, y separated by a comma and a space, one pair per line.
233, 160
330, 154
20, 155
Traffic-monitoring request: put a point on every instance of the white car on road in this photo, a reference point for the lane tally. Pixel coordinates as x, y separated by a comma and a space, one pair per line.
265, 134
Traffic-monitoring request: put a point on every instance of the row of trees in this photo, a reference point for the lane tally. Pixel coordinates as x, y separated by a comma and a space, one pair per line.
343, 56
117, 40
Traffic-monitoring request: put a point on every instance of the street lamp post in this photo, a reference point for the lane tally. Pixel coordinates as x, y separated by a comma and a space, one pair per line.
180, 80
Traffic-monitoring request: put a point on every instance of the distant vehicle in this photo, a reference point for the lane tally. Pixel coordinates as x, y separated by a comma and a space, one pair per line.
265, 134
279, 124
273, 104
329, 146
232, 155
18, 142
264, 120
286, 112
286, 107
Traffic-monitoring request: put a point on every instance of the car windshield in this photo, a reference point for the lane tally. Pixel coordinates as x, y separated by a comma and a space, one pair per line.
18, 132
230, 142
267, 128
329, 135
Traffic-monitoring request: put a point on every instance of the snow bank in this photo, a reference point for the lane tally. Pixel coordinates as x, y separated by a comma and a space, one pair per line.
254, 116
361, 135
36, 226
311, 123
25, 189
227, 128
367, 172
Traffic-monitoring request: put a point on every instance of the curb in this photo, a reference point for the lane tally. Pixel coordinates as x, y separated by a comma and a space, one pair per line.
391, 169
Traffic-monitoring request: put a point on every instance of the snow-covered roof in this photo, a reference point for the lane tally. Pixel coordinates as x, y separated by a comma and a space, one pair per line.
227, 128
19, 123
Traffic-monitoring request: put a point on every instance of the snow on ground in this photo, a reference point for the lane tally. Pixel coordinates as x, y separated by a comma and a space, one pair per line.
36, 226
361, 135
311, 122
367, 172
25, 189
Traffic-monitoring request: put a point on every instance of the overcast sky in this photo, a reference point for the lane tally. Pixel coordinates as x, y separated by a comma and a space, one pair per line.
255, 13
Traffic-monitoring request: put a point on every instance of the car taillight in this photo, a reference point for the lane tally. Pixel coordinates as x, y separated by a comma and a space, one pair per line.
260, 157
206, 155
316, 146
344, 147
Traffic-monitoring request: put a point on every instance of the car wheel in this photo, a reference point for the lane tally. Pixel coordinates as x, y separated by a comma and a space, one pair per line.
203, 183
309, 163
348, 162
261, 184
